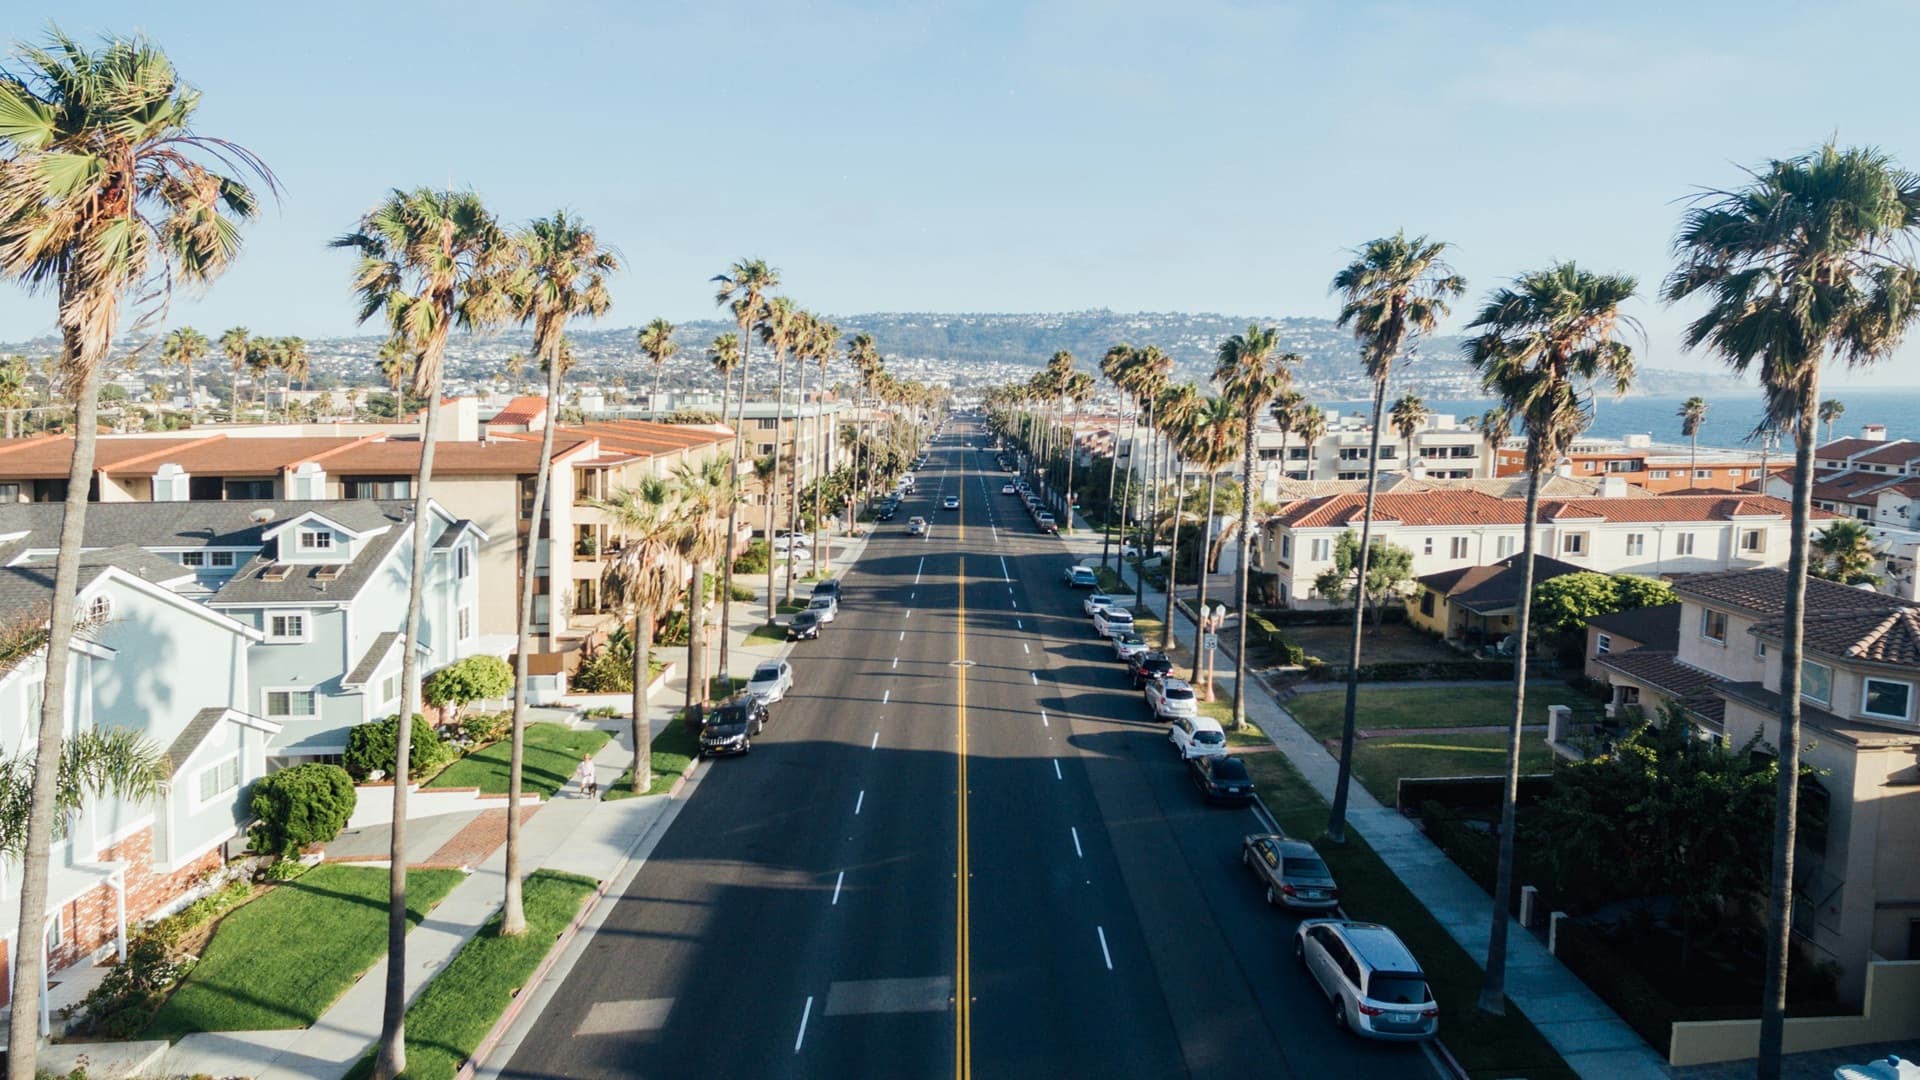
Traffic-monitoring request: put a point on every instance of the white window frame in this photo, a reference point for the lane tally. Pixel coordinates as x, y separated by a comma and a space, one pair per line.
1683, 543
1759, 538
193, 558
1867, 681
389, 696
463, 562
100, 608
1828, 668
1505, 545
315, 540
222, 559
306, 626
1322, 549
1458, 547
200, 797
1602, 644
1659, 474
1759, 648
266, 702
1703, 474
1636, 544
1573, 543
1426, 547
1706, 620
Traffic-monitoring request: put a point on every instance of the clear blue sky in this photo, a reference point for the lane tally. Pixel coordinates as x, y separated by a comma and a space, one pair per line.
1200, 155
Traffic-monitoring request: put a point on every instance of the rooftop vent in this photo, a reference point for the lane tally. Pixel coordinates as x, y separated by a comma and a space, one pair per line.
262, 515
328, 572
276, 572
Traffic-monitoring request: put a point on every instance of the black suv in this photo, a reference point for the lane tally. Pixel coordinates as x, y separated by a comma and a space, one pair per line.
829, 587
1146, 666
730, 726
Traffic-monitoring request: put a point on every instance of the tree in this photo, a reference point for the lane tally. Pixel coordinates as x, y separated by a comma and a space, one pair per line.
743, 288
1496, 427
656, 342
14, 392
1693, 413
1115, 365
236, 344
300, 806
1394, 290
1565, 603
1174, 414
643, 575
817, 343
1810, 260
107, 197
783, 331
1389, 570
1251, 372
429, 261
1079, 391
463, 682
1846, 553
182, 348
560, 274
703, 492
1311, 427
396, 367
1831, 410
1287, 411
1213, 437
1536, 338
1409, 413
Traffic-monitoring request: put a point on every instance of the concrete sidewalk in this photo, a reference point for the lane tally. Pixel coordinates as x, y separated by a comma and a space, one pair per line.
1588, 1035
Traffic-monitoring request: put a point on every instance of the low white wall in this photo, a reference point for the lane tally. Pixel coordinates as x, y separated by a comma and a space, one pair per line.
1890, 1014
620, 701
373, 803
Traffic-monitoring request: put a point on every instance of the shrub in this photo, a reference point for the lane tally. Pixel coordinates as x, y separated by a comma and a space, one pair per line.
754, 560
1595, 961
485, 727
307, 804
1326, 616
372, 747
475, 678
171, 929
131, 991
607, 671
1436, 670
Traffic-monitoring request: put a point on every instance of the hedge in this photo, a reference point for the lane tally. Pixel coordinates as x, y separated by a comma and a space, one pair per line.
296, 807
1468, 794
1594, 961
1260, 628
1333, 616
371, 746
1474, 852
1435, 670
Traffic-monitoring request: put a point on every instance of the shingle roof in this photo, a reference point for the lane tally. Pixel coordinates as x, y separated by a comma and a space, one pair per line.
1693, 688
1865, 733
371, 660
1655, 627
1764, 592
1488, 589
29, 586
1852, 484
193, 735
1468, 508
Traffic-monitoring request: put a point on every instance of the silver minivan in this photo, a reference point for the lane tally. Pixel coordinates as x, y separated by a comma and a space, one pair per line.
1375, 985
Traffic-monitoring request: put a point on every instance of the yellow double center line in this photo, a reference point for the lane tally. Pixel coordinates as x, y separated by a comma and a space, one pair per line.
963, 947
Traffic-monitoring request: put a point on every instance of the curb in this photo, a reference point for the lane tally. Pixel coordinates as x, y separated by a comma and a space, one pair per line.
519, 1002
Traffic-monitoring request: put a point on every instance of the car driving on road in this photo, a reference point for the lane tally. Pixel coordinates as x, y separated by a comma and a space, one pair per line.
1375, 985
771, 681
1292, 873
730, 726
1221, 779
1168, 698
951, 502
1197, 736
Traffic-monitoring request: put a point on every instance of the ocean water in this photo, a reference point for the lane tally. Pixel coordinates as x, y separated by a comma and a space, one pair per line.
1730, 419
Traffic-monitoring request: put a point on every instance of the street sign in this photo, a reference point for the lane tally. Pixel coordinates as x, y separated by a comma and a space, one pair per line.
1210, 642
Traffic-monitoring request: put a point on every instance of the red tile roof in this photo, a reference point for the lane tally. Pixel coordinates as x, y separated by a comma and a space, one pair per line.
1897, 452
1439, 508
521, 410
48, 457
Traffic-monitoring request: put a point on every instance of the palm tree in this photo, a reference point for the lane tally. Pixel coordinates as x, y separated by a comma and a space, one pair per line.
782, 332
702, 492
724, 355
1311, 427
1811, 260
1116, 365
1537, 337
396, 366
291, 358
867, 367
1847, 554
236, 344
1174, 413
426, 261
817, 344
1394, 291
743, 288
1149, 373
182, 348
1831, 410
14, 392
105, 199
1693, 413
656, 341
1215, 436
560, 274
1079, 391
643, 574
1286, 410
1496, 427
1409, 413
1251, 373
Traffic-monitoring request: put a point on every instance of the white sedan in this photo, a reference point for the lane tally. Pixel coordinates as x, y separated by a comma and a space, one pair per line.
1099, 601
952, 502
795, 542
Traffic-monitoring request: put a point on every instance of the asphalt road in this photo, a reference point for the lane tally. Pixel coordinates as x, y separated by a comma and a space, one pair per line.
961, 844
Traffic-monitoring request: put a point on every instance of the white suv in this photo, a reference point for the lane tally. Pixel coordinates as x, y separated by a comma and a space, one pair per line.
1111, 622
1099, 601
1169, 698
1197, 736
1375, 985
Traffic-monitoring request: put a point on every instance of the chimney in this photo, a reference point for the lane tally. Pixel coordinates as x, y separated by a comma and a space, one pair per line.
1565, 468
1874, 432
170, 483
1613, 487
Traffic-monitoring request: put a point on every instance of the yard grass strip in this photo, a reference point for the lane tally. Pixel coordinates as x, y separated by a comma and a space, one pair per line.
282, 960
768, 633
1486, 1046
674, 751
552, 752
456, 1010
1383, 708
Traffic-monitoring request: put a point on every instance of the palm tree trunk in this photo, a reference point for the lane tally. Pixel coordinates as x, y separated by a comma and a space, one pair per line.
1246, 569
659, 368
642, 772
1337, 816
1126, 492
793, 504
1200, 601
513, 915
1066, 488
193, 403
1693, 459
29, 956
1106, 516
1773, 1001
773, 484
697, 635
1173, 574
392, 1060
1493, 990
725, 599
820, 557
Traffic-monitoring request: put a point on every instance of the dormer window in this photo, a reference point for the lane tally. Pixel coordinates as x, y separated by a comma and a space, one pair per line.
316, 540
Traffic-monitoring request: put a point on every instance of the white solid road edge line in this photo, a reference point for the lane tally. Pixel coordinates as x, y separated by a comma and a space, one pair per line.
808, 1011
1101, 930
875, 744
1056, 770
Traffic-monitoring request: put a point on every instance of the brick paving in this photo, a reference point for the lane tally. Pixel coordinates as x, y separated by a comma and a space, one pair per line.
477, 840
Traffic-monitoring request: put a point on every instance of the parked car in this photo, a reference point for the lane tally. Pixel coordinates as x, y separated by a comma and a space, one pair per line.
1081, 577
1146, 667
1221, 779
825, 608
1197, 736
1127, 646
805, 626
1292, 873
916, 526
1046, 523
1096, 602
1367, 972
730, 726
1007, 489
887, 510
951, 502
794, 541
771, 681
828, 587
1168, 698
1112, 620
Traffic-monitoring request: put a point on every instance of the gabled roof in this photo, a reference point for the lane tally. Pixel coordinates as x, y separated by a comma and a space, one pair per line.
1897, 452
1871, 637
521, 410
1846, 448
1488, 590
1656, 627
202, 725
1661, 669
1763, 592
371, 660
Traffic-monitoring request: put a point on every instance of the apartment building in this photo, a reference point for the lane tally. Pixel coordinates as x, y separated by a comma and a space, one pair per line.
1449, 529
1662, 468
1858, 855
1442, 449
1877, 483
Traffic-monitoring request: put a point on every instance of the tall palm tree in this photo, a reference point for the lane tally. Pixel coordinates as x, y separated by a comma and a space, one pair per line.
725, 356
1536, 338
1396, 289
1150, 371
864, 355
1811, 260
396, 367
1286, 410
1116, 365
426, 261
1496, 427
182, 348
817, 345
1409, 413
15, 394
744, 289
560, 275
1251, 372
782, 332
702, 492
107, 197
643, 575
1079, 391
1693, 413
1831, 410
1214, 438
236, 344
290, 357
1174, 414
656, 341
1311, 427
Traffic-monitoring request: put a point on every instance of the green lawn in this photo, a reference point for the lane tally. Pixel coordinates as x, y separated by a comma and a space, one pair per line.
457, 1009
1383, 708
1486, 1046
674, 748
552, 752
282, 960
1221, 709
1380, 763
767, 634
